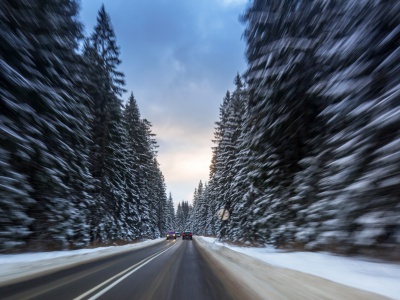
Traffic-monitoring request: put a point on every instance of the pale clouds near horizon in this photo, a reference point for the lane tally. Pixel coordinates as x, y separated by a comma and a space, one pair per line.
234, 2
179, 58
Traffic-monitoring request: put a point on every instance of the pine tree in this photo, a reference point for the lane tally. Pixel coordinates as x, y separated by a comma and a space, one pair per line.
157, 199
361, 111
162, 203
146, 153
170, 214
179, 217
218, 181
133, 128
109, 136
281, 50
313, 158
148, 183
236, 158
44, 116
182, 216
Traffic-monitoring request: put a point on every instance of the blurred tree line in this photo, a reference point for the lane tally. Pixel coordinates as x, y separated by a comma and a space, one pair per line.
307, 150
182, 216
77, 166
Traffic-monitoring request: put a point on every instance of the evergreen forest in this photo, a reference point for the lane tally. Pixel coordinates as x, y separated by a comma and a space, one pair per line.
78, 164
307, 146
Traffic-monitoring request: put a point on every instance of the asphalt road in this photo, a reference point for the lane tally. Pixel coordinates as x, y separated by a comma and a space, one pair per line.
173, 269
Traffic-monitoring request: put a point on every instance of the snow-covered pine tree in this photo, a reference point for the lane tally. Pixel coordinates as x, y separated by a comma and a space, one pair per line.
315, 195
237, 160
149, 184
318, 159
135, 136
216, 195
305, 182
109, 136
194, 216
171, 223
361, 175
377, 220
162, 202
203, 211
179, 218
281, 46
44, 121
210, 212
210, 197
182, 216
146, 153
157, 198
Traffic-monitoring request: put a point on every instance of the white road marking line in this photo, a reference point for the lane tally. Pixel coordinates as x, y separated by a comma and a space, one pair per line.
135, 267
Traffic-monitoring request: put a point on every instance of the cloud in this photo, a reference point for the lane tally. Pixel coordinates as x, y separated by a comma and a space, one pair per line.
184, 148
184, 157
234, 2
179, 58
183, 170
186, 166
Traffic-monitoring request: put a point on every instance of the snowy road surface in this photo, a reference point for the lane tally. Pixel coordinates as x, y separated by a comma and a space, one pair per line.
198, 269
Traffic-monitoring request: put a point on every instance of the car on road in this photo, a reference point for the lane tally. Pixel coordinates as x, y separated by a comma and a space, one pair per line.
178, 234
187, 235
171, 235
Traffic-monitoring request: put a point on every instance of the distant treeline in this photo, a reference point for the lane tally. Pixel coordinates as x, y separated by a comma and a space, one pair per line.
76, 165
307, 148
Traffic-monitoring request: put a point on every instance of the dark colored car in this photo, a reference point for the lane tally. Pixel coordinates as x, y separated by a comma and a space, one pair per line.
171, 235
187, 235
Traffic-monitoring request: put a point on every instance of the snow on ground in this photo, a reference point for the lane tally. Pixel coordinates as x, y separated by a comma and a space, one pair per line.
378, 277
14, 266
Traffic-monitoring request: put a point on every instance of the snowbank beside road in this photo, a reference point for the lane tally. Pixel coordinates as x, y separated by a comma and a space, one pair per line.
14, 266
283, 276
377, 277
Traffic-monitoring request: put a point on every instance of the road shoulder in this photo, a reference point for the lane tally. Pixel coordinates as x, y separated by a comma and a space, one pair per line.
20, 267
265, 281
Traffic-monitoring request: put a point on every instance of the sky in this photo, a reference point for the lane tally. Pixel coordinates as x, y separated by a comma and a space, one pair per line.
179, 58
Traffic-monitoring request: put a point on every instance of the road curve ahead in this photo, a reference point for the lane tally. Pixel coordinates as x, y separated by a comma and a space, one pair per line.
174, 269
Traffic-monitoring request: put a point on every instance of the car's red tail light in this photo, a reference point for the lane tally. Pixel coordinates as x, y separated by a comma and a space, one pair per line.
190, 234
